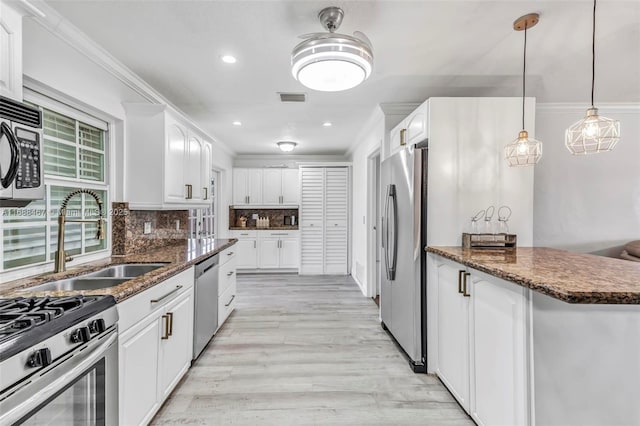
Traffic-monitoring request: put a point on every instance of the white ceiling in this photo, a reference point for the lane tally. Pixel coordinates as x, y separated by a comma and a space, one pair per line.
421, 49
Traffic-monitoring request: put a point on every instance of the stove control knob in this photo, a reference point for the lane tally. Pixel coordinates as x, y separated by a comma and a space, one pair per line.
40, 358
81, 335
97, 326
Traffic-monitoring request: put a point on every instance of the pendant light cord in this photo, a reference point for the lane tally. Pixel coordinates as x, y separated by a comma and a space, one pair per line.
593, 53
524, 73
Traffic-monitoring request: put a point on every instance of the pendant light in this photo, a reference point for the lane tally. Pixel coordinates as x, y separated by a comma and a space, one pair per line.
593, 133
524, 151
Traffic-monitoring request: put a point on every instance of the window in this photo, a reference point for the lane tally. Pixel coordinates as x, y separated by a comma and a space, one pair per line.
203, 223
74, 157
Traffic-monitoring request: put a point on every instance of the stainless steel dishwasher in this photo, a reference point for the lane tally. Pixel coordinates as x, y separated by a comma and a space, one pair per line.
206, 306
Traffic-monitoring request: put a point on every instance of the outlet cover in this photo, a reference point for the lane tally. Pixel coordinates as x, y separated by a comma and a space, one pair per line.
177, 224
254, 216
147, 227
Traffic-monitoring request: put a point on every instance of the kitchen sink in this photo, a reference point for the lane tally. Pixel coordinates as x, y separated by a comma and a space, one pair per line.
79, 283
126, 270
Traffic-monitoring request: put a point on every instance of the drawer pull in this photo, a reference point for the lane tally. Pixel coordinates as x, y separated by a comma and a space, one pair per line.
166, 327
170, 315
230, 273
178, 287
460, 280
230, 253
232, 297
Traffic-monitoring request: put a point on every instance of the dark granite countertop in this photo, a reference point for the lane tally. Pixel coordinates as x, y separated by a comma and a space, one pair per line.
178, 257
564, 275
271, 228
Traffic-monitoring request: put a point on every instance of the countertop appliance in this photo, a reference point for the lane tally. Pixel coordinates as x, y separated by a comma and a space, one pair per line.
21, 147
59, 360
206, 310
429, 190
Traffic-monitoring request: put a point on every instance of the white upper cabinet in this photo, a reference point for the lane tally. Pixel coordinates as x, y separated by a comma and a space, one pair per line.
10, 50
267, 187
158, 136
411, 130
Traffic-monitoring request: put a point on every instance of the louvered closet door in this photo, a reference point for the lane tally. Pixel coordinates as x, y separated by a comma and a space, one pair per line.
335, 224
311, 220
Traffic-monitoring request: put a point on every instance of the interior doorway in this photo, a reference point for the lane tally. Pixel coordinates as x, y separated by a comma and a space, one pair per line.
373, 226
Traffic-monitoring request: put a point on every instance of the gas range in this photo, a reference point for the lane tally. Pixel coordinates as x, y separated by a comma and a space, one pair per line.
39, 333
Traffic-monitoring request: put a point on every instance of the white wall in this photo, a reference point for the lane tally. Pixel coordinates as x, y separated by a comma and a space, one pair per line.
587, 203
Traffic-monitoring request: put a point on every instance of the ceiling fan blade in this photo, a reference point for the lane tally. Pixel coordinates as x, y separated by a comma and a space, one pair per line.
311, 35
360, 35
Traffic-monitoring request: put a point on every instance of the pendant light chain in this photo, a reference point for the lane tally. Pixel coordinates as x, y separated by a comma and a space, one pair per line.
593, 53
524, 73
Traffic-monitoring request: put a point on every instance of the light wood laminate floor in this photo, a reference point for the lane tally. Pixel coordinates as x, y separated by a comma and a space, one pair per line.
306, 350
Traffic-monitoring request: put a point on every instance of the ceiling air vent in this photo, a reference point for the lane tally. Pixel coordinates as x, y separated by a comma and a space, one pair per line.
292, 97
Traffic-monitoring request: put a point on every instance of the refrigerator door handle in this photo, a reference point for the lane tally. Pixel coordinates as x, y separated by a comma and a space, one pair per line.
385, 235
394, 244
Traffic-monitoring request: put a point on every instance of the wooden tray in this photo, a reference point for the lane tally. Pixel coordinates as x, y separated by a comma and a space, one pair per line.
489, 241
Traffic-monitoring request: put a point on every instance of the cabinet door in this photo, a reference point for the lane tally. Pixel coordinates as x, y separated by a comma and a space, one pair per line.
205, 172
269, 256
177, 348
453, 333
335, 226
290, 186
254, 186
394, 138
312, 220
240, 188
416, 125
174, 177
138, 373
10, 52
289, 252
272, 186
194, 168
247, 257
498, 352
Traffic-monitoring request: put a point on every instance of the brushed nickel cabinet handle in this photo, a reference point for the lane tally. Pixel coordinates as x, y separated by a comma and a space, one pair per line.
229, 273
166, 327
460, 272
178, 287
402, 137
230, 253
170, 315
232, 297
206, 193
465, 294
254, 244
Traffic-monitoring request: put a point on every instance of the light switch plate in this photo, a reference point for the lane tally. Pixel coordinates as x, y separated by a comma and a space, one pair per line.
254, 216
147, 227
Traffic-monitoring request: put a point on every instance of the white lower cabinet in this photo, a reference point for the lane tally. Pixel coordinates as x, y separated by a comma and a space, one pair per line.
482, 332
227, 283
155, 346
267, 249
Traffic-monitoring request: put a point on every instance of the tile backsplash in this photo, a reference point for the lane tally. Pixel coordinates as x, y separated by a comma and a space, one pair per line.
128, 235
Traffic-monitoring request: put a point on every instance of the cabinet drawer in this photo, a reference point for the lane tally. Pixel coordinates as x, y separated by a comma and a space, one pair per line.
227, 254
227, 275
226, 303
279, 234
133, 310
249, 233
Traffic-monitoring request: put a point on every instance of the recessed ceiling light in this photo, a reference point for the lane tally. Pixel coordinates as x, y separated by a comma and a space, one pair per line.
237, 123
327, 124
228, 59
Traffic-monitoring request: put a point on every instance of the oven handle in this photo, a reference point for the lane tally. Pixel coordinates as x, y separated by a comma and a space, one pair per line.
59, 383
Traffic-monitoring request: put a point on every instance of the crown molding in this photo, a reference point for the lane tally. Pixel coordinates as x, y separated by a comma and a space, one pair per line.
399, 108
610, 107
58, 25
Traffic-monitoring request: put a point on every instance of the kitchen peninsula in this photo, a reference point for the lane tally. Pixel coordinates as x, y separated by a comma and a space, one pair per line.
545, 326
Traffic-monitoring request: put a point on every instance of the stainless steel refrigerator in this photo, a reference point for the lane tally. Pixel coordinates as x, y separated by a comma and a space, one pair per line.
403, 286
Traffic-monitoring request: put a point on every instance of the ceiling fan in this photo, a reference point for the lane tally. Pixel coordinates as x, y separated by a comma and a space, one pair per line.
330, 61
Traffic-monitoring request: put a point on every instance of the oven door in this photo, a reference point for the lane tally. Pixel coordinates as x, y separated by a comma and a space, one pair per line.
80, 389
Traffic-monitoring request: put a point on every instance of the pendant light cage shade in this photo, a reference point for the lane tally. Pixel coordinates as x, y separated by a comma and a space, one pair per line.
524, 151
592, 134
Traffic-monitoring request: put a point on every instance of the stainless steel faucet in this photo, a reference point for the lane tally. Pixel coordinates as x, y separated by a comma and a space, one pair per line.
61, 257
